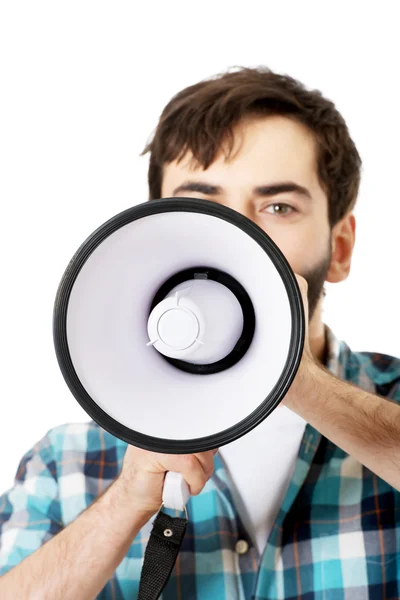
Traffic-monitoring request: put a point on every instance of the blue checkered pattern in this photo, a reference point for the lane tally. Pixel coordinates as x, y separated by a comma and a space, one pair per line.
336, 537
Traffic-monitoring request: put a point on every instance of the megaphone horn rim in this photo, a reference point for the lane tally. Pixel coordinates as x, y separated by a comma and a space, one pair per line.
192, 205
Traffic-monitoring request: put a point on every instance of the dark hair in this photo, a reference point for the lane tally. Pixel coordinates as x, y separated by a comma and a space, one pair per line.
201, 117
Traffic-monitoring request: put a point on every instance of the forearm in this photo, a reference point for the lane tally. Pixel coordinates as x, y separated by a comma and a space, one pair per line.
364, 425
79, 561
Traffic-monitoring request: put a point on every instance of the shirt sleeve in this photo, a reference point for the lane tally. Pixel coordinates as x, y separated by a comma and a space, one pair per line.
30, 510
394, 391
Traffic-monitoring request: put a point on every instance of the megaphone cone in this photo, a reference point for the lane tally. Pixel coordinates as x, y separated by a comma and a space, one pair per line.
178, 326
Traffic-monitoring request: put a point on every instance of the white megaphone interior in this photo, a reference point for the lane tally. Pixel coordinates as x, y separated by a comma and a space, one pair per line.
108, 314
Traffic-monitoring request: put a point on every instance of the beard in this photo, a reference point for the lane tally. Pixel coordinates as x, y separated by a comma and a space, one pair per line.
316, 278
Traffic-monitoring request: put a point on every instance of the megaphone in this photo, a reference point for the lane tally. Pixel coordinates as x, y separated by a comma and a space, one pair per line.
178, 326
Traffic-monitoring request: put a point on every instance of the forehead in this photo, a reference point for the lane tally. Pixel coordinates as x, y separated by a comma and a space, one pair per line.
264, 150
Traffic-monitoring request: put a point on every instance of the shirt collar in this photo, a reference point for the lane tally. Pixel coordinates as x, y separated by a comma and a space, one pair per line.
337, 354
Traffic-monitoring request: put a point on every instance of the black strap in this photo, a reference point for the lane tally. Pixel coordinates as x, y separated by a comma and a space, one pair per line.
160, 556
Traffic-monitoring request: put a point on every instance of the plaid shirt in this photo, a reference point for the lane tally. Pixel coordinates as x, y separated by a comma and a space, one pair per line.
336, 537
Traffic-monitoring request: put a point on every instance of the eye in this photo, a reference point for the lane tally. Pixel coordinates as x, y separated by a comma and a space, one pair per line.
279, 208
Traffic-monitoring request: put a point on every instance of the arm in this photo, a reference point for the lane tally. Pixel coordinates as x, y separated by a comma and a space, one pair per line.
364, 425
79, 561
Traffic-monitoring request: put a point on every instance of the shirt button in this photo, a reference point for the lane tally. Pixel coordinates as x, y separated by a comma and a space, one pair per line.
241, 546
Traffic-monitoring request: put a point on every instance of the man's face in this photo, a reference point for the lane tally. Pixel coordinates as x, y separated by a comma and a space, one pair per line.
268, 152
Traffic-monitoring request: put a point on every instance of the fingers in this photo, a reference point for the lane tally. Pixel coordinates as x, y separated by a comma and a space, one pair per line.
196, 469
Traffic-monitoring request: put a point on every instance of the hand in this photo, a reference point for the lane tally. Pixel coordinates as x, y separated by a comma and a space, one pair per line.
307, 363
143, 473
303, 285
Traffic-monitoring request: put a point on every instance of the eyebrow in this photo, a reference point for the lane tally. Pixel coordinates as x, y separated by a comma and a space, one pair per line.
272, 189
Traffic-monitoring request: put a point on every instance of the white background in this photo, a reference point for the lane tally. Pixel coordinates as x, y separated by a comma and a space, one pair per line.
82, 86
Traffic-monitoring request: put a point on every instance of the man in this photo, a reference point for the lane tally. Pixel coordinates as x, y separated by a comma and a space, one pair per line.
322, 516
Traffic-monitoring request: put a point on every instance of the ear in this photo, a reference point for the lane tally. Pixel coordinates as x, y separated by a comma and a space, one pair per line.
343, 239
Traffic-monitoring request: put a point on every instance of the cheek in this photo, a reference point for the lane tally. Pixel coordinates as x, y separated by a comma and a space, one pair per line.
302, 246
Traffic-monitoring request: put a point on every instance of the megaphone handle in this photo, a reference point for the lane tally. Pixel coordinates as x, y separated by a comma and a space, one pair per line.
176, 491
165, 538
